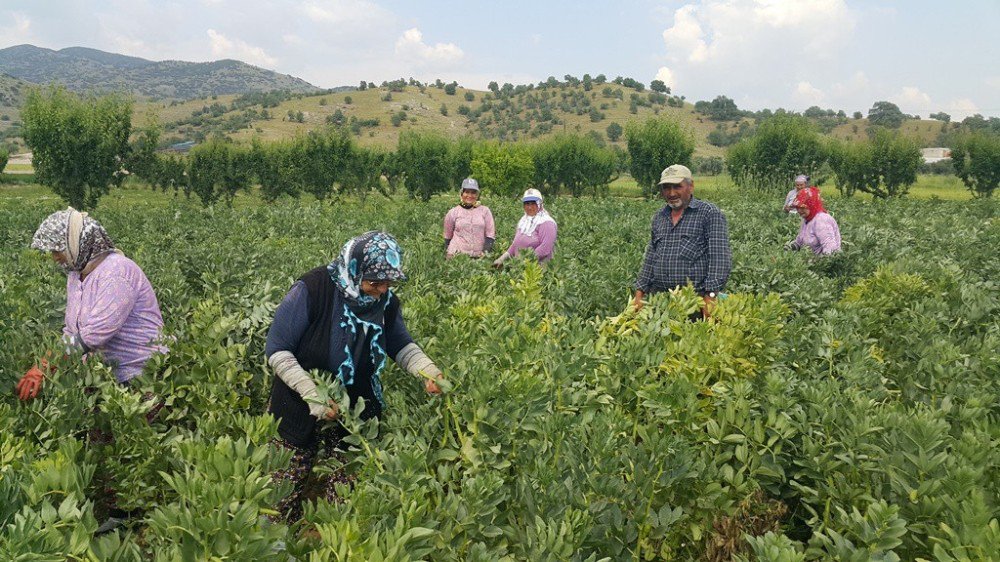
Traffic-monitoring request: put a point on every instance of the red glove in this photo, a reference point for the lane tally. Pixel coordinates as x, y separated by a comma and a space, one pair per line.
29, 385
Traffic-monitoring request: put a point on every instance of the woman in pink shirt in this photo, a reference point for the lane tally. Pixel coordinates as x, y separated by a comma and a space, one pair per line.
111, 309
819, 231
536, 231
468, 226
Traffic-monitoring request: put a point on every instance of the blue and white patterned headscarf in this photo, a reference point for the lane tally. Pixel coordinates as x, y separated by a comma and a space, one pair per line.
373, 256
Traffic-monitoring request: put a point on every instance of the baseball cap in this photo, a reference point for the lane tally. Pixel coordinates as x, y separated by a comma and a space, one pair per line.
532, 195
675, 174
469, 183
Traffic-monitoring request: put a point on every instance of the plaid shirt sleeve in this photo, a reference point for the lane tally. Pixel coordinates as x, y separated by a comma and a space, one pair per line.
646, 273
720, 259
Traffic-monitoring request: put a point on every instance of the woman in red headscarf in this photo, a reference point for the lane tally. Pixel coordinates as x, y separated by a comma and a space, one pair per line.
819, 231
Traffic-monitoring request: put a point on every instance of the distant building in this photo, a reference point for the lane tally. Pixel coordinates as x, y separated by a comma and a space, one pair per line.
932, 155
182, 147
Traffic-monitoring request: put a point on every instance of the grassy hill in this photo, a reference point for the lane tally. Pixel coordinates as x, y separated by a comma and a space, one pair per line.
81, 69
422, 113
420, 109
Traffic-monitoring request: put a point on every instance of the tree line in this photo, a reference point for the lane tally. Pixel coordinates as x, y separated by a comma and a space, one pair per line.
83, 146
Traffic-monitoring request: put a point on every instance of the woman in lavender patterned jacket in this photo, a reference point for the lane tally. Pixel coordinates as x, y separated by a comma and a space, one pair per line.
819, 231
111, 309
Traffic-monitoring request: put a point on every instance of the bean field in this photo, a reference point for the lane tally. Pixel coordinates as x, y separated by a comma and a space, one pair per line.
843, 408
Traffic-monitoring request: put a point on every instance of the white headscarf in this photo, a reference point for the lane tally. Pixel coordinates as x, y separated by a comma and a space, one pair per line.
527, 225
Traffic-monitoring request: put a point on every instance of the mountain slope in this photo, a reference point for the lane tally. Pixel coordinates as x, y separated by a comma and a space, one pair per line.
83, 69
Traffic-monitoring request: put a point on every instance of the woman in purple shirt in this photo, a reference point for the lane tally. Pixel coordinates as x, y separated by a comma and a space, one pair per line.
536, 231
819, 231
111, 309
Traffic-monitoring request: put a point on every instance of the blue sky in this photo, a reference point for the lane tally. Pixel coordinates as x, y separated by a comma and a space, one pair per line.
926, 56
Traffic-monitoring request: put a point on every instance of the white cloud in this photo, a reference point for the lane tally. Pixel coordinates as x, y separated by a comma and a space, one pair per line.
962, 108
345, 13
224, 47
914, 101
776, 51
855, 86
18, 32
911, 100
791, 13
292, 39
410, 45
685, 39
809, 94
727, 30
667, 76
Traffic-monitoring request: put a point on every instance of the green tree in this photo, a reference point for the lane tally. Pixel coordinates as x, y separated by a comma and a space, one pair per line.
142, 151
885, 114
4, 156
393, 171
469, 96
976, 158
573, 163
782, 147
659, 86
170, 171
444, 110
652, 146
278, 167
363, 171
941, 116
709, 166
79, 144
450, 88
719, 109
218, 170
503, 168
348, 100
614, 132
322, 156
884, 166
460, 155
426, 161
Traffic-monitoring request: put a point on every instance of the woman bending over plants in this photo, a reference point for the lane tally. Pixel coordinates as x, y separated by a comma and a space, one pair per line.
112, 313
819, 231
344, 319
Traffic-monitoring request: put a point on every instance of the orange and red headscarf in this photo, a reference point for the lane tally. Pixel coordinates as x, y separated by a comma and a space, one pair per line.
810, 199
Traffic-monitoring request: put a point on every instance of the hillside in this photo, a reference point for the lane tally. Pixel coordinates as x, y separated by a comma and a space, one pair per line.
12, 92
81, 69
197, 119
523, 115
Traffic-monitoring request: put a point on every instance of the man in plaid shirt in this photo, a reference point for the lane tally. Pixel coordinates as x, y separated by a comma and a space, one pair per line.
689, 242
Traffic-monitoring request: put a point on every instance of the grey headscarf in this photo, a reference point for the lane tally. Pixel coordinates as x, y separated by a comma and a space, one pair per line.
75, 233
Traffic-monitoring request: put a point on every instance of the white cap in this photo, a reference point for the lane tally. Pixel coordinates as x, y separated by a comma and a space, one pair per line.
532, 195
